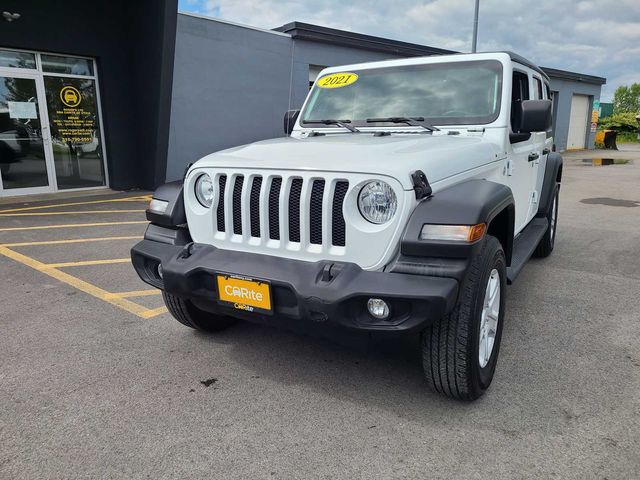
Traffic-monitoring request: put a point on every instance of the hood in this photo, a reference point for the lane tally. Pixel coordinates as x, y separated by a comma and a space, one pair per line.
438, 156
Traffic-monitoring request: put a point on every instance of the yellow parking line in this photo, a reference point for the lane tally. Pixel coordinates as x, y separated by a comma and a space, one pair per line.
143, 198
79, 212
73, 240
136, 293
153, 312
72, 225
87, 262
81, 285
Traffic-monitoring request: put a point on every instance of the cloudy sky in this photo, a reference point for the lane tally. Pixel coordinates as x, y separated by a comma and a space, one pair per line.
595, 37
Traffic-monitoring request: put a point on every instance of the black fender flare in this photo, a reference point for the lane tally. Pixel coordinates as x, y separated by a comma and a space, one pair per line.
174, 214
467, 203
552, 178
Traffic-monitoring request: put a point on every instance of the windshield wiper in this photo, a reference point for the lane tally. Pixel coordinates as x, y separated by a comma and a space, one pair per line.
412, 121
340, 123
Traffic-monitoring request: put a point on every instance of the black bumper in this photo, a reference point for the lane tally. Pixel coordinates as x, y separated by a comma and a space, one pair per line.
302, 291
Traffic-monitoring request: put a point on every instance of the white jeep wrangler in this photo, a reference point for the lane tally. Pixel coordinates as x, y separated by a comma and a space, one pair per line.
405, 197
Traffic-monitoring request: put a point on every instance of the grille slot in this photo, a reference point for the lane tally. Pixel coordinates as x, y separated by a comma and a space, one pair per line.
338, 228
274, 208
315, 212
237, 205
254, 206
294, 210
222, 182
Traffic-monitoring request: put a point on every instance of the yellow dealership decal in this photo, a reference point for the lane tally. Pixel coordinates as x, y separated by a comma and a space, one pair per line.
337, 80
244, 293
70, 96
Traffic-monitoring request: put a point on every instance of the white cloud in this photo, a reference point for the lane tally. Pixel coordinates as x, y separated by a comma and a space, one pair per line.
593, 37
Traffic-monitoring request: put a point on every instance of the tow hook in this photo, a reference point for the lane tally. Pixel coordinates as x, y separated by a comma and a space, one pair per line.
187, 250
330, 271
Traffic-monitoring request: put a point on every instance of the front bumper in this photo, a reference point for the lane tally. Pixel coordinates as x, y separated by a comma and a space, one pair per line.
323, 291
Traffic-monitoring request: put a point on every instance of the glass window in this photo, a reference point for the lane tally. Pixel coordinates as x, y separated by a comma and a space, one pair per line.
75, 131
464, 93
69, 65
17, 59
22, 157
537, 94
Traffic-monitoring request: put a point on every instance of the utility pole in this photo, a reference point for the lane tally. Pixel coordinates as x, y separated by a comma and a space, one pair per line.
474, 42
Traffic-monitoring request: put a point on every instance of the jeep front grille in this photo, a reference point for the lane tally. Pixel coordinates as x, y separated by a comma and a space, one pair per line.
275, 207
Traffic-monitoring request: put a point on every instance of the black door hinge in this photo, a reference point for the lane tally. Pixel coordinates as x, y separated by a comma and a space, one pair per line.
421, 185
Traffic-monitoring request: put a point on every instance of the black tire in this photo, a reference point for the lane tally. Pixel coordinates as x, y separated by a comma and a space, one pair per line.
188, 314
450, 347
545, 247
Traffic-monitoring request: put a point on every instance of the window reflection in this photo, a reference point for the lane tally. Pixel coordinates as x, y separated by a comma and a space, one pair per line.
69, 65
17, 59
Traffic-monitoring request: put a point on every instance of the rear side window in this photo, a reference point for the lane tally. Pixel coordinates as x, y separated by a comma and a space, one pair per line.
537, 84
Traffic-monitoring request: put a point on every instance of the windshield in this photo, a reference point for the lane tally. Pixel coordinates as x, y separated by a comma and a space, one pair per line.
460, 93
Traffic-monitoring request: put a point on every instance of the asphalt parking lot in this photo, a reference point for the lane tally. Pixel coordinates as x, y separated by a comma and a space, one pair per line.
97, 380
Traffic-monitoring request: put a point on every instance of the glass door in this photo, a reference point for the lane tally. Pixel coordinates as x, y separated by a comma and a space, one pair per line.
25, 159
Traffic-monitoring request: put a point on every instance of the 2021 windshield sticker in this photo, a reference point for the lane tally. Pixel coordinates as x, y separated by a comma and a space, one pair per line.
337, 80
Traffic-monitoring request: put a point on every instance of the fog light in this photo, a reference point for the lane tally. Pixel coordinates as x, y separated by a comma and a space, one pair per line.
159, 270
378, 308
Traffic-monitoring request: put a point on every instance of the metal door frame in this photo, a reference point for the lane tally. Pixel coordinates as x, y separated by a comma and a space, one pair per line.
44, 127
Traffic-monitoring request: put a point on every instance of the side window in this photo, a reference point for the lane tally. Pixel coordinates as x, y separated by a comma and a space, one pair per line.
548, 90
537, 85
519, 92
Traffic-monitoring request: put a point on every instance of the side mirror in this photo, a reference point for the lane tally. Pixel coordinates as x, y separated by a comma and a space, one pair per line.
290, 118
536, 116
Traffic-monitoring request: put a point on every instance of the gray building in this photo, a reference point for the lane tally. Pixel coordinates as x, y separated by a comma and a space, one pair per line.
232, 83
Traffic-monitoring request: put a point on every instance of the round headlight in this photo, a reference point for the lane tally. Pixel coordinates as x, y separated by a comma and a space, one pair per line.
377, 202
204, 190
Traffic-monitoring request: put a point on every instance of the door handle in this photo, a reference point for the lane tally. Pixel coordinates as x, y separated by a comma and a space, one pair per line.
534, 156
546, 151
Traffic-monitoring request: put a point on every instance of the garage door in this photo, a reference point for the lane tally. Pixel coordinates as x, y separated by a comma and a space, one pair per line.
578, 122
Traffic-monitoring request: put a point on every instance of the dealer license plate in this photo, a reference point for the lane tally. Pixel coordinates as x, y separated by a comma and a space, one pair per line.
244, 293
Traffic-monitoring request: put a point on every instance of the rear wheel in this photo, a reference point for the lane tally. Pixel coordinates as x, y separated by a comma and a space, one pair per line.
545, 247
188, 314
460, 351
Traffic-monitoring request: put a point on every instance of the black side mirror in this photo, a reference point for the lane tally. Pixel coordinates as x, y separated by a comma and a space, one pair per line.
536, 116
290, 118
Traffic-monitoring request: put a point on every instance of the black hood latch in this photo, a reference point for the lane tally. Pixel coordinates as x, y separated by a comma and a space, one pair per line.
421, 185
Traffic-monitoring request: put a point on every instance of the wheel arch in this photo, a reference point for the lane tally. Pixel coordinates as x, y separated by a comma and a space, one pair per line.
468, 203
552, 178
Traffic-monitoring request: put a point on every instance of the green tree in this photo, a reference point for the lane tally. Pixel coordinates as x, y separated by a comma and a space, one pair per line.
623, 122
627, 99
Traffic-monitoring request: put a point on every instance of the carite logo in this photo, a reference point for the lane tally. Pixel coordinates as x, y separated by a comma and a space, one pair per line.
70, 96
241, 306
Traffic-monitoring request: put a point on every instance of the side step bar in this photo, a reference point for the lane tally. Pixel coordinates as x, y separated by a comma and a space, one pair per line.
524, 246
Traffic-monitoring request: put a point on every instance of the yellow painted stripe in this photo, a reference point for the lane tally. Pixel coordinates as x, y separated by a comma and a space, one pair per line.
87, 262
81, 285
72, 225
73, 240
153, 312
143, 198
78, 212
135, 293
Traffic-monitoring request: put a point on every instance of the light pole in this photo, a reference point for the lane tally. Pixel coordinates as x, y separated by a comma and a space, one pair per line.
474, 42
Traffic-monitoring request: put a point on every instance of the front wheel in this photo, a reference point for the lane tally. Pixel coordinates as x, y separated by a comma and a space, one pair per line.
460, 351
188, 314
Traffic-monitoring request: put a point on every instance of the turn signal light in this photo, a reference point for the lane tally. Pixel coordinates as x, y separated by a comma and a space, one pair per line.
159, 206
453, 233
